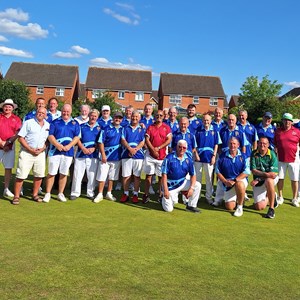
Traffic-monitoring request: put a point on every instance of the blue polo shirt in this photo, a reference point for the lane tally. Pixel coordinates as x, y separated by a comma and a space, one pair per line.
194, 124
218, 126
125, 122
89, 137
251, 136
230, 167
188, 137
268, 132
64, 132
147, 122
226, 134
174, 126
103, 124
206, 140
176, 169
133, 136
32, 114
111, 138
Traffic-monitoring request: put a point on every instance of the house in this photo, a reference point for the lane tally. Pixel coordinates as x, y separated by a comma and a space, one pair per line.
293, 94
128, 87
234, 101
47, 81
180, 90
154, 99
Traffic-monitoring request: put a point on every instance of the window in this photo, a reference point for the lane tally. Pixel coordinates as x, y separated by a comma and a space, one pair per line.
60, 92
121, 95
97, 94
196, 100
213, 101
175, 99
40, 90
139, 96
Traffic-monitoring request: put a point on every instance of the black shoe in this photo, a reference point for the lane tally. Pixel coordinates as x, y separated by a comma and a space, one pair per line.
146, 198
270, 214
275, 201
192, 209
73, 197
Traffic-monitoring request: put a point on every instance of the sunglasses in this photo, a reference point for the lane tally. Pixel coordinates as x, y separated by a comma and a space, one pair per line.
181, 147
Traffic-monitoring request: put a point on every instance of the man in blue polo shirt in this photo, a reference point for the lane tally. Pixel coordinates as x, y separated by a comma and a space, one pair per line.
87, 156
207, 141
194, 121
39, 103
133, 140
64, 134
147, 119
232, 170
265, 128
105, 118
110, 158
175, 168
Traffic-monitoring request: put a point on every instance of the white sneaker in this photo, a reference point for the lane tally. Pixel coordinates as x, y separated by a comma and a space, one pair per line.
185, 200
61, 197
280, 200
239, 211
246, 198
8, 193
151, 190
22, 192
40, 192
295, 202
118, 186
98, 198
47, 197
109, 196
216, 203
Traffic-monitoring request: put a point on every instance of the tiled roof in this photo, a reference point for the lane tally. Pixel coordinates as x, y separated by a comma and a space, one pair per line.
42, 74
119, 79
295, 92
192, 85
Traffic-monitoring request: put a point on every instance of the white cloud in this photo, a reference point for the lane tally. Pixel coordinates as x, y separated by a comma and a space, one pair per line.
293, 84
104, 63
80, 50
61, 54
3, 38
133, 19
14, 52
9, 24
14, 14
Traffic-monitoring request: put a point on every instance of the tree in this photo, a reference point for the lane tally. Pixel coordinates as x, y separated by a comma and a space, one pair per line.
106, 99
258, 97
18, 92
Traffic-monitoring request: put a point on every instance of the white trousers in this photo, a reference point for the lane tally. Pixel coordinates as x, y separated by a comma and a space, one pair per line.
168, 204
208, 169
80, 166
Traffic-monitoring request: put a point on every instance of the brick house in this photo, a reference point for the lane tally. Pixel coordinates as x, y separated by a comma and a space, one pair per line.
46, 81
180, 90
294, 94
128, 87
234, 101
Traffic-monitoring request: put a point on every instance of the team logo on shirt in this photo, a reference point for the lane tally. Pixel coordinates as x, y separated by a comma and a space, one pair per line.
236, 133
212, 132
272, 130
73, 122
98, 128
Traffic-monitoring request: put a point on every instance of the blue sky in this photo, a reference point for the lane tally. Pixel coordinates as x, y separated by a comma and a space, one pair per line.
231, 39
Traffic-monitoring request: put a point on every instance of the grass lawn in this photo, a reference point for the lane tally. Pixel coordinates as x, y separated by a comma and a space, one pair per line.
82, 250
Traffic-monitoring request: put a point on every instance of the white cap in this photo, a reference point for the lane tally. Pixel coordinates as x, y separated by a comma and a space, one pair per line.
105, 107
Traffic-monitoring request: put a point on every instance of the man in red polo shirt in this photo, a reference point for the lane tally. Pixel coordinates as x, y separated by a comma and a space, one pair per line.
287, 140
158, 137
10, 125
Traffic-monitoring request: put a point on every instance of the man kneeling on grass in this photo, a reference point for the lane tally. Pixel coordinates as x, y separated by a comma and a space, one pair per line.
175, 167
264, 166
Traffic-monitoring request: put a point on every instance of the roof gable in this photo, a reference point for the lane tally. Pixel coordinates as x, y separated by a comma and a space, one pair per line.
193, 85
119, 79
43, 74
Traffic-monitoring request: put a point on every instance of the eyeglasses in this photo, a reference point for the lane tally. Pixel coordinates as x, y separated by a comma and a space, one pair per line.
268, 118
181, 147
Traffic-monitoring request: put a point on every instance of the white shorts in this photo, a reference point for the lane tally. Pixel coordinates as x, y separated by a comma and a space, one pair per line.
59, 164
28, 161
260, 192
8, 158
293, 169
132, 166
152, 166
109, 169
231, 194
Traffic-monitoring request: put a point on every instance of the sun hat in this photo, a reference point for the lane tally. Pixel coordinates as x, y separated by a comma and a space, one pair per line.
9, 102
287, 116
105, 107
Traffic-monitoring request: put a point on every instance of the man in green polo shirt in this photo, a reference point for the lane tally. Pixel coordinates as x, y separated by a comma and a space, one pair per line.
264, 167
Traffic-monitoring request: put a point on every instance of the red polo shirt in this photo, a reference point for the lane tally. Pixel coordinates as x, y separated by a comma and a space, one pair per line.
157, 136
9, 126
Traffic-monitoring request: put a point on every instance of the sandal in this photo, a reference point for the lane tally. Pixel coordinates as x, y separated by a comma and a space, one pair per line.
15, 201
37, 198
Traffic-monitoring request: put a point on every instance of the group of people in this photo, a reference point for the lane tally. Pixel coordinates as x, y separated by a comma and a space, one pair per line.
117, 148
